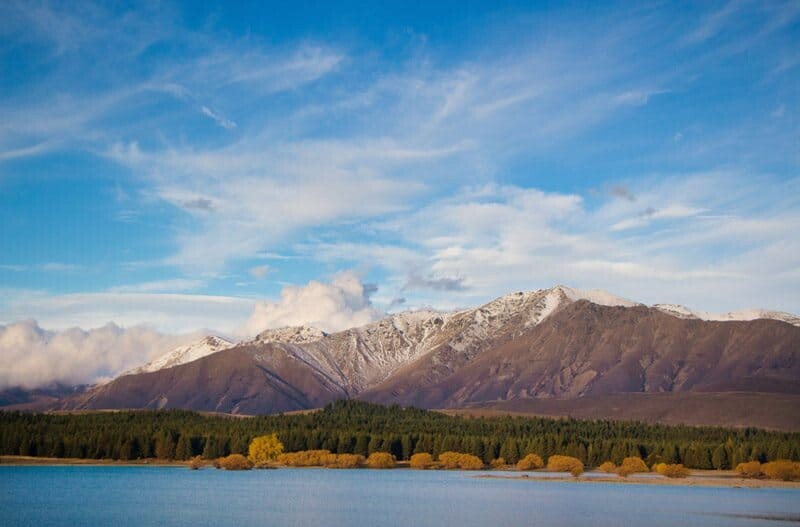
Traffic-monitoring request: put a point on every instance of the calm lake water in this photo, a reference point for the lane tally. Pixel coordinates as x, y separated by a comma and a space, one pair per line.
169, 496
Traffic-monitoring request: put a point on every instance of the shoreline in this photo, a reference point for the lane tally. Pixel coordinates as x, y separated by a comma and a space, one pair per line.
31, 461
700, 478
726, 480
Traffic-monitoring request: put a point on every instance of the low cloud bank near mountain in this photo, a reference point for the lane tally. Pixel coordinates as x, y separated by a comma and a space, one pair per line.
32, 357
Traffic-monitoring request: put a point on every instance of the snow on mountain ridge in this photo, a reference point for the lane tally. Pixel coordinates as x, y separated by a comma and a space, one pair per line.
184, 354
738, 315
362, 356
291, 334
596, 296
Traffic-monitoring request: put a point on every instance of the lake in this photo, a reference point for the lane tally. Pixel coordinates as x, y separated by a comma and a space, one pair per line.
122, 496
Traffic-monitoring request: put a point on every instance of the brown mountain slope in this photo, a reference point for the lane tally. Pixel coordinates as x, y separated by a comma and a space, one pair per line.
586, 349
773, 411
243, 380
581, 351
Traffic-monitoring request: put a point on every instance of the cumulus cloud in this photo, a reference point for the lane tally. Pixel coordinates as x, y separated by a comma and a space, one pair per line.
343, 303
34, 357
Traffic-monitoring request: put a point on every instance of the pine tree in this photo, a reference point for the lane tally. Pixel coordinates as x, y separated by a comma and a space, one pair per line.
721, 459
183, 450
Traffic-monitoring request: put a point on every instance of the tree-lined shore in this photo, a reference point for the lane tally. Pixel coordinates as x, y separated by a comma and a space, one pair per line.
351, 427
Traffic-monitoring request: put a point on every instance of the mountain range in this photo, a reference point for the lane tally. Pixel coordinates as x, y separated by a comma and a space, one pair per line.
558, 351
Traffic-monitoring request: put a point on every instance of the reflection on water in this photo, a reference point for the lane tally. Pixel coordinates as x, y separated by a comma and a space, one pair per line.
127, 496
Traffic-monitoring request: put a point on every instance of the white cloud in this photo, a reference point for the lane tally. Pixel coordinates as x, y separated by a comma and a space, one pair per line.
159, 286
643, 218
692, 245
35, 357
219, 119
259, 195
343, 303
167, 312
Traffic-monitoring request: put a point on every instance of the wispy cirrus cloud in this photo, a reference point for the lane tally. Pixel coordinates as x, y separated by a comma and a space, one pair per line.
456, 176
129, 306
694, 246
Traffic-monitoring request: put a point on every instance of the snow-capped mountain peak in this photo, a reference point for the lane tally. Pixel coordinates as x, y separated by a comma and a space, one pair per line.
291, 335
595, 296
183, 354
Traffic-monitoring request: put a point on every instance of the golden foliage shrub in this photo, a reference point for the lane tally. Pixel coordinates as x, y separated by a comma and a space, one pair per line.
453, 460
380, 460
320, 458
608, 467
499, 462
749, 469
197, 462
530, 462
449, 459
307, 458
782, 469
632, 465
470, 462
264, 449
234, 462
422, 461
348, 461
569, 464
671, 471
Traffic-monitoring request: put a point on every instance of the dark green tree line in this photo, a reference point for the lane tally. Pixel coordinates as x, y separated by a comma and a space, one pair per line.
352, 427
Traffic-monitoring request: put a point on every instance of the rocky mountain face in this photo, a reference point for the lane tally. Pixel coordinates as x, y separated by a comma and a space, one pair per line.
590, 350
553, 343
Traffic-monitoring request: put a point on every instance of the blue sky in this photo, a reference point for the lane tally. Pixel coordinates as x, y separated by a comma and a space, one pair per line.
178, 165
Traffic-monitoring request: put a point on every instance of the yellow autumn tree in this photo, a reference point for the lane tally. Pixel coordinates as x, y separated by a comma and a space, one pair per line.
264, 449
